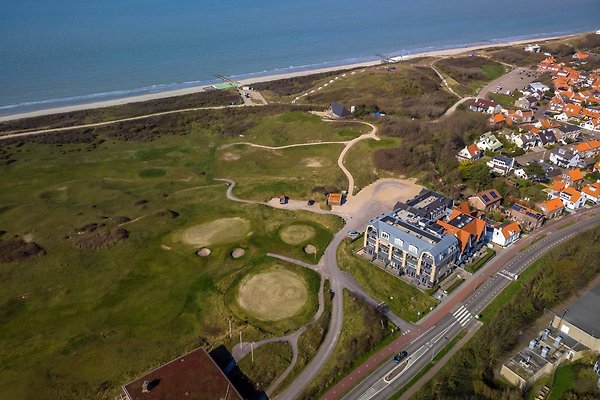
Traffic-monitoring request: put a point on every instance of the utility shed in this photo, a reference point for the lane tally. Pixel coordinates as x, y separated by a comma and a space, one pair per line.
193, 376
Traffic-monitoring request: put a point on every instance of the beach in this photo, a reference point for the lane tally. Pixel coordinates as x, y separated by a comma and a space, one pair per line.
272, 77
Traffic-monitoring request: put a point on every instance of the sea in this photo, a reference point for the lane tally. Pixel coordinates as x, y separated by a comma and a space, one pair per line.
65, 52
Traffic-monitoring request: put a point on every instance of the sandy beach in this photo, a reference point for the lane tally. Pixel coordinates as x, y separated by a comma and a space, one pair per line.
268, 78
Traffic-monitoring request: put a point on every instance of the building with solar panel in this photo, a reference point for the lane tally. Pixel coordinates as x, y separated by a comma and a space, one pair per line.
486, 201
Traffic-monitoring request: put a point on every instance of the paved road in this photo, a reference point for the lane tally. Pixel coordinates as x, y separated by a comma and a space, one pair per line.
445, 322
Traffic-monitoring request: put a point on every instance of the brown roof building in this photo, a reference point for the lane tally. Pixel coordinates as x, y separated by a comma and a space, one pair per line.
193, 376
485, 201
335, 199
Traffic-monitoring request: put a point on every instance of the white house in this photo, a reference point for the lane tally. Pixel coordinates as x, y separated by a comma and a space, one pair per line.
533, 48
591, 192
564, 158
501, 165
471, 152
527, 141
571, 198
506, 234
488, 141
593, 124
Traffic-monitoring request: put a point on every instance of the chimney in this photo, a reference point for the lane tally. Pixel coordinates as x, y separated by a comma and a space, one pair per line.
558, 341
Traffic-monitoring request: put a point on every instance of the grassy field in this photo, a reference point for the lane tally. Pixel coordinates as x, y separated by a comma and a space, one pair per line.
297, 172
403, 88
97, 310
299, 127
468, 74
575, 379
403, 299
359, 161
270, 360
363, 332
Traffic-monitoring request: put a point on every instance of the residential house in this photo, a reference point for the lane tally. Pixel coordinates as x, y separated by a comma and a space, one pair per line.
588, 149
570, 197
592, 124
488, 141
486, 200
526, 217
527, 141
591, 192
567, 132
411, 245
557, 104
497, 120
573, 177
552, 208
526, 102
538, 87
470, 231
506, 234
597, 167
545, 123
470, 152
547, 137
501, 165
486, 106
564, 158
573, 111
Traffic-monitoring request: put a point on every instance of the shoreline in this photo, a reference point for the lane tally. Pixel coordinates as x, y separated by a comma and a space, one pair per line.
272, 77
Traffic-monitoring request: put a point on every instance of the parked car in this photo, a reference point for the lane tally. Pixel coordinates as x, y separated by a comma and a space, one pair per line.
353, 234
400, 356
310, 202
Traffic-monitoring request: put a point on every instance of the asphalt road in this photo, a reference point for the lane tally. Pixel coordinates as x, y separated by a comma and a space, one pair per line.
459, 313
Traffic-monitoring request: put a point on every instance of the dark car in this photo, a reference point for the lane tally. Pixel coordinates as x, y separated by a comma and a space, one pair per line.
311, 202
400, 356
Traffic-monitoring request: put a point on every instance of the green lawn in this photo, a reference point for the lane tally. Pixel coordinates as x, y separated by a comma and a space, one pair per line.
359, 161
563, 381
299, 127
403, 299
363, 332
262, 174
504, 100
77, 321
270, 360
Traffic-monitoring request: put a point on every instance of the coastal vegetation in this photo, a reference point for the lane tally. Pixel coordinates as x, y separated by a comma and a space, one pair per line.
549, 281
96, 220
466, 75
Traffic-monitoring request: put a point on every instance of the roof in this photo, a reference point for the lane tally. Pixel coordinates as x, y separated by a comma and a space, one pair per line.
339, 109
526, 211
592, 189
572, 193
557, 186
583, 313
510, 229
489, 196
193, 376
473, 150
334, 198
575, 174
587, 146
498, 118
552, 205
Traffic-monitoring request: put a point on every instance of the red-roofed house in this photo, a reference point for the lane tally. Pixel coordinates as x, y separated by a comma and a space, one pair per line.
571, 198
591, 192
588, 149
581, 56
470, 152
573, 177
485, 201
552, 208
470, 231
506, 234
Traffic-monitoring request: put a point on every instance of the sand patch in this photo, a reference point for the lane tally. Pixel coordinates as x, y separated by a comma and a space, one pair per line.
273, 295
312, 162
230, 156
297, 234
220, 231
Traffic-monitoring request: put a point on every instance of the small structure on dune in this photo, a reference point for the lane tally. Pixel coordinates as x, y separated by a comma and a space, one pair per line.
283, 199
339, 111
335, 199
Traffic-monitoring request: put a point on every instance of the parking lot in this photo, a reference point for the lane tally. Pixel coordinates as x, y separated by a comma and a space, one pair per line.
516, 79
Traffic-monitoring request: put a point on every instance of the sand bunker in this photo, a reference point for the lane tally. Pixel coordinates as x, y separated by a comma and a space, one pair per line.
313, 162
220, 231
310, 249
273, 295
203, 252
238, 252
230, 156
297, 234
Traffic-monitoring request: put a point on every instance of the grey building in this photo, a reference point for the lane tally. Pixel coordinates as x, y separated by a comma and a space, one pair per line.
412, 244
427, 204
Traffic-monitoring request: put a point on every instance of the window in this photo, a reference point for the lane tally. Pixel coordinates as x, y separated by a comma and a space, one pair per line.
398, 242
385, 235
413, 249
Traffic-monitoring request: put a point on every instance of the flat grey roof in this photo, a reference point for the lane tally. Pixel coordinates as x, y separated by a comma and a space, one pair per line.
585, 311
